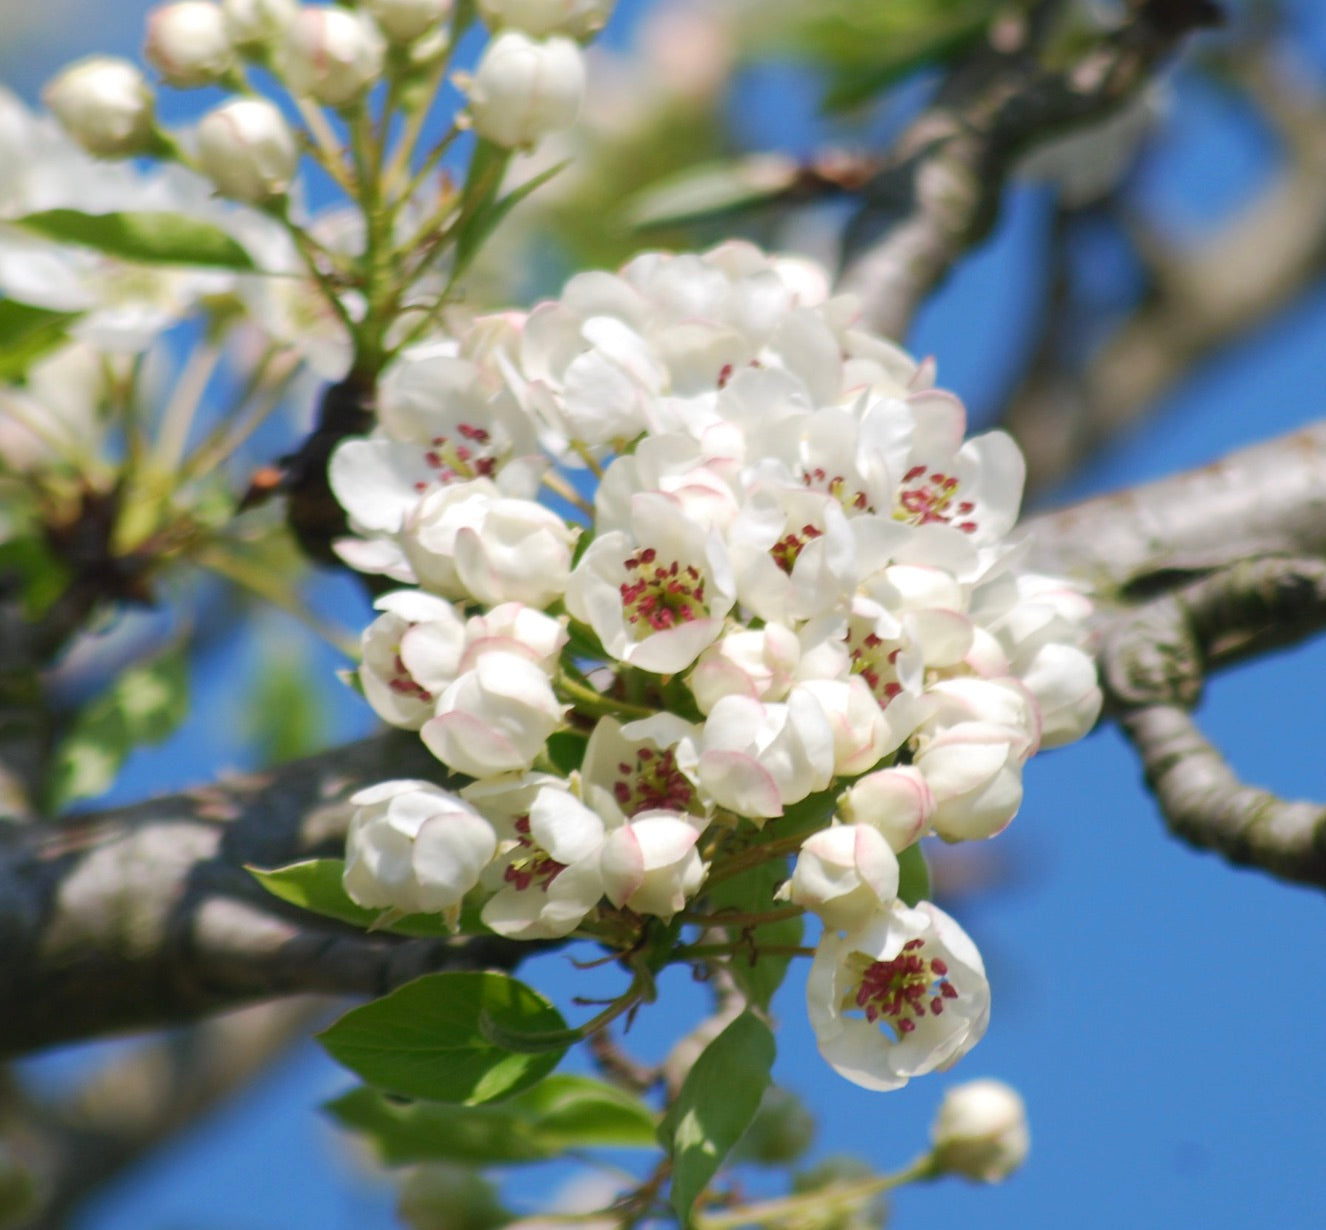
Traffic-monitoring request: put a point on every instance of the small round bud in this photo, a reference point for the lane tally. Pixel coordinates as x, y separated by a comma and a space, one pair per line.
105, 104
579, 19
188, 44
981, 1131
255, 25
248, 150
524, 89
331, 54
403, 21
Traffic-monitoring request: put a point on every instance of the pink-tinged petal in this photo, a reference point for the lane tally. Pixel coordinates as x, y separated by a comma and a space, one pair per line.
623, 865
740, 783
471, 746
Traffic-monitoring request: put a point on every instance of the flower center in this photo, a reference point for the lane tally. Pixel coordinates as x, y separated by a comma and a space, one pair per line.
660, 596
787, 548
875, 660
928, 496
466, 455
852, 499
654, 781
900, 991
529, 864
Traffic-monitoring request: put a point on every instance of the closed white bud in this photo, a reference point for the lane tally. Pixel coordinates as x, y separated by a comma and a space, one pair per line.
981, 1131
105, 104
524, 89
331, 54
187, 43
403, 21
575, 18
255, 25
248, 150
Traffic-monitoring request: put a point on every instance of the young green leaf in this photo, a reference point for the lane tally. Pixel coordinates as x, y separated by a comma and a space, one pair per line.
716, 1104
712, 189
26, 334
316, 885
913, 875
560, 1113
157, 238
424, 1040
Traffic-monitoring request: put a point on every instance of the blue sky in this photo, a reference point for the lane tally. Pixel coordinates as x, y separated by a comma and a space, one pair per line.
1161, 1013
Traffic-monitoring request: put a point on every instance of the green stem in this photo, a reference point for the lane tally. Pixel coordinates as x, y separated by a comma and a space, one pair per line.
590, 703
825, 1204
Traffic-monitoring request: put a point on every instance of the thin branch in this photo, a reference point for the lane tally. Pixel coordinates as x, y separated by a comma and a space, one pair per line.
940, 193
1155, 663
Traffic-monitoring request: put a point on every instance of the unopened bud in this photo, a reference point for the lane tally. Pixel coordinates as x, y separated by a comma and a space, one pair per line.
579, 19
403, 21
980, 1131
524, 89
248, 150
331, 54
188, 43
254, 26
105, 104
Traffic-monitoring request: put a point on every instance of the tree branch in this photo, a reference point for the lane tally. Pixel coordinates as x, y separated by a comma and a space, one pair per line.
941, 191
1154, 665
145, 915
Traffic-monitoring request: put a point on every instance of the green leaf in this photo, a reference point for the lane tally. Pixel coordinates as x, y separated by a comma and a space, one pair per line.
866, 47
40, 574
560, 1113
143, 705
157, 238
913, 875
712, 189
486, 218
26, 334
717, 1103
316, 885
424, 1039
759, 974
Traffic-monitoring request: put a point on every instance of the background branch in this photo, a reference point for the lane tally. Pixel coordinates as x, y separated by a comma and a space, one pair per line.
941, 191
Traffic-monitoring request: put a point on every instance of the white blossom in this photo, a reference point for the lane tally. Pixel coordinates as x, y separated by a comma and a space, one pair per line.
903, 994
412, 848
539, 18
650, 864
845, 874
547, 875
754, 759
105, 104
247, 149
188, 43
980, 1131
331, 54
524, 88
495, 718
403, 21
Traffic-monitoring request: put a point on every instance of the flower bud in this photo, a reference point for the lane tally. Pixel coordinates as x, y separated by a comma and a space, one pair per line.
413, 848
331, 54
248, 150
524, 89
188, 43
539, 18
403, 21
255, 25
981, 1131
105, 104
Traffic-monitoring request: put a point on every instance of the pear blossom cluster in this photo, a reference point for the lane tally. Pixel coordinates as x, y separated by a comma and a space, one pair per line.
686, 559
